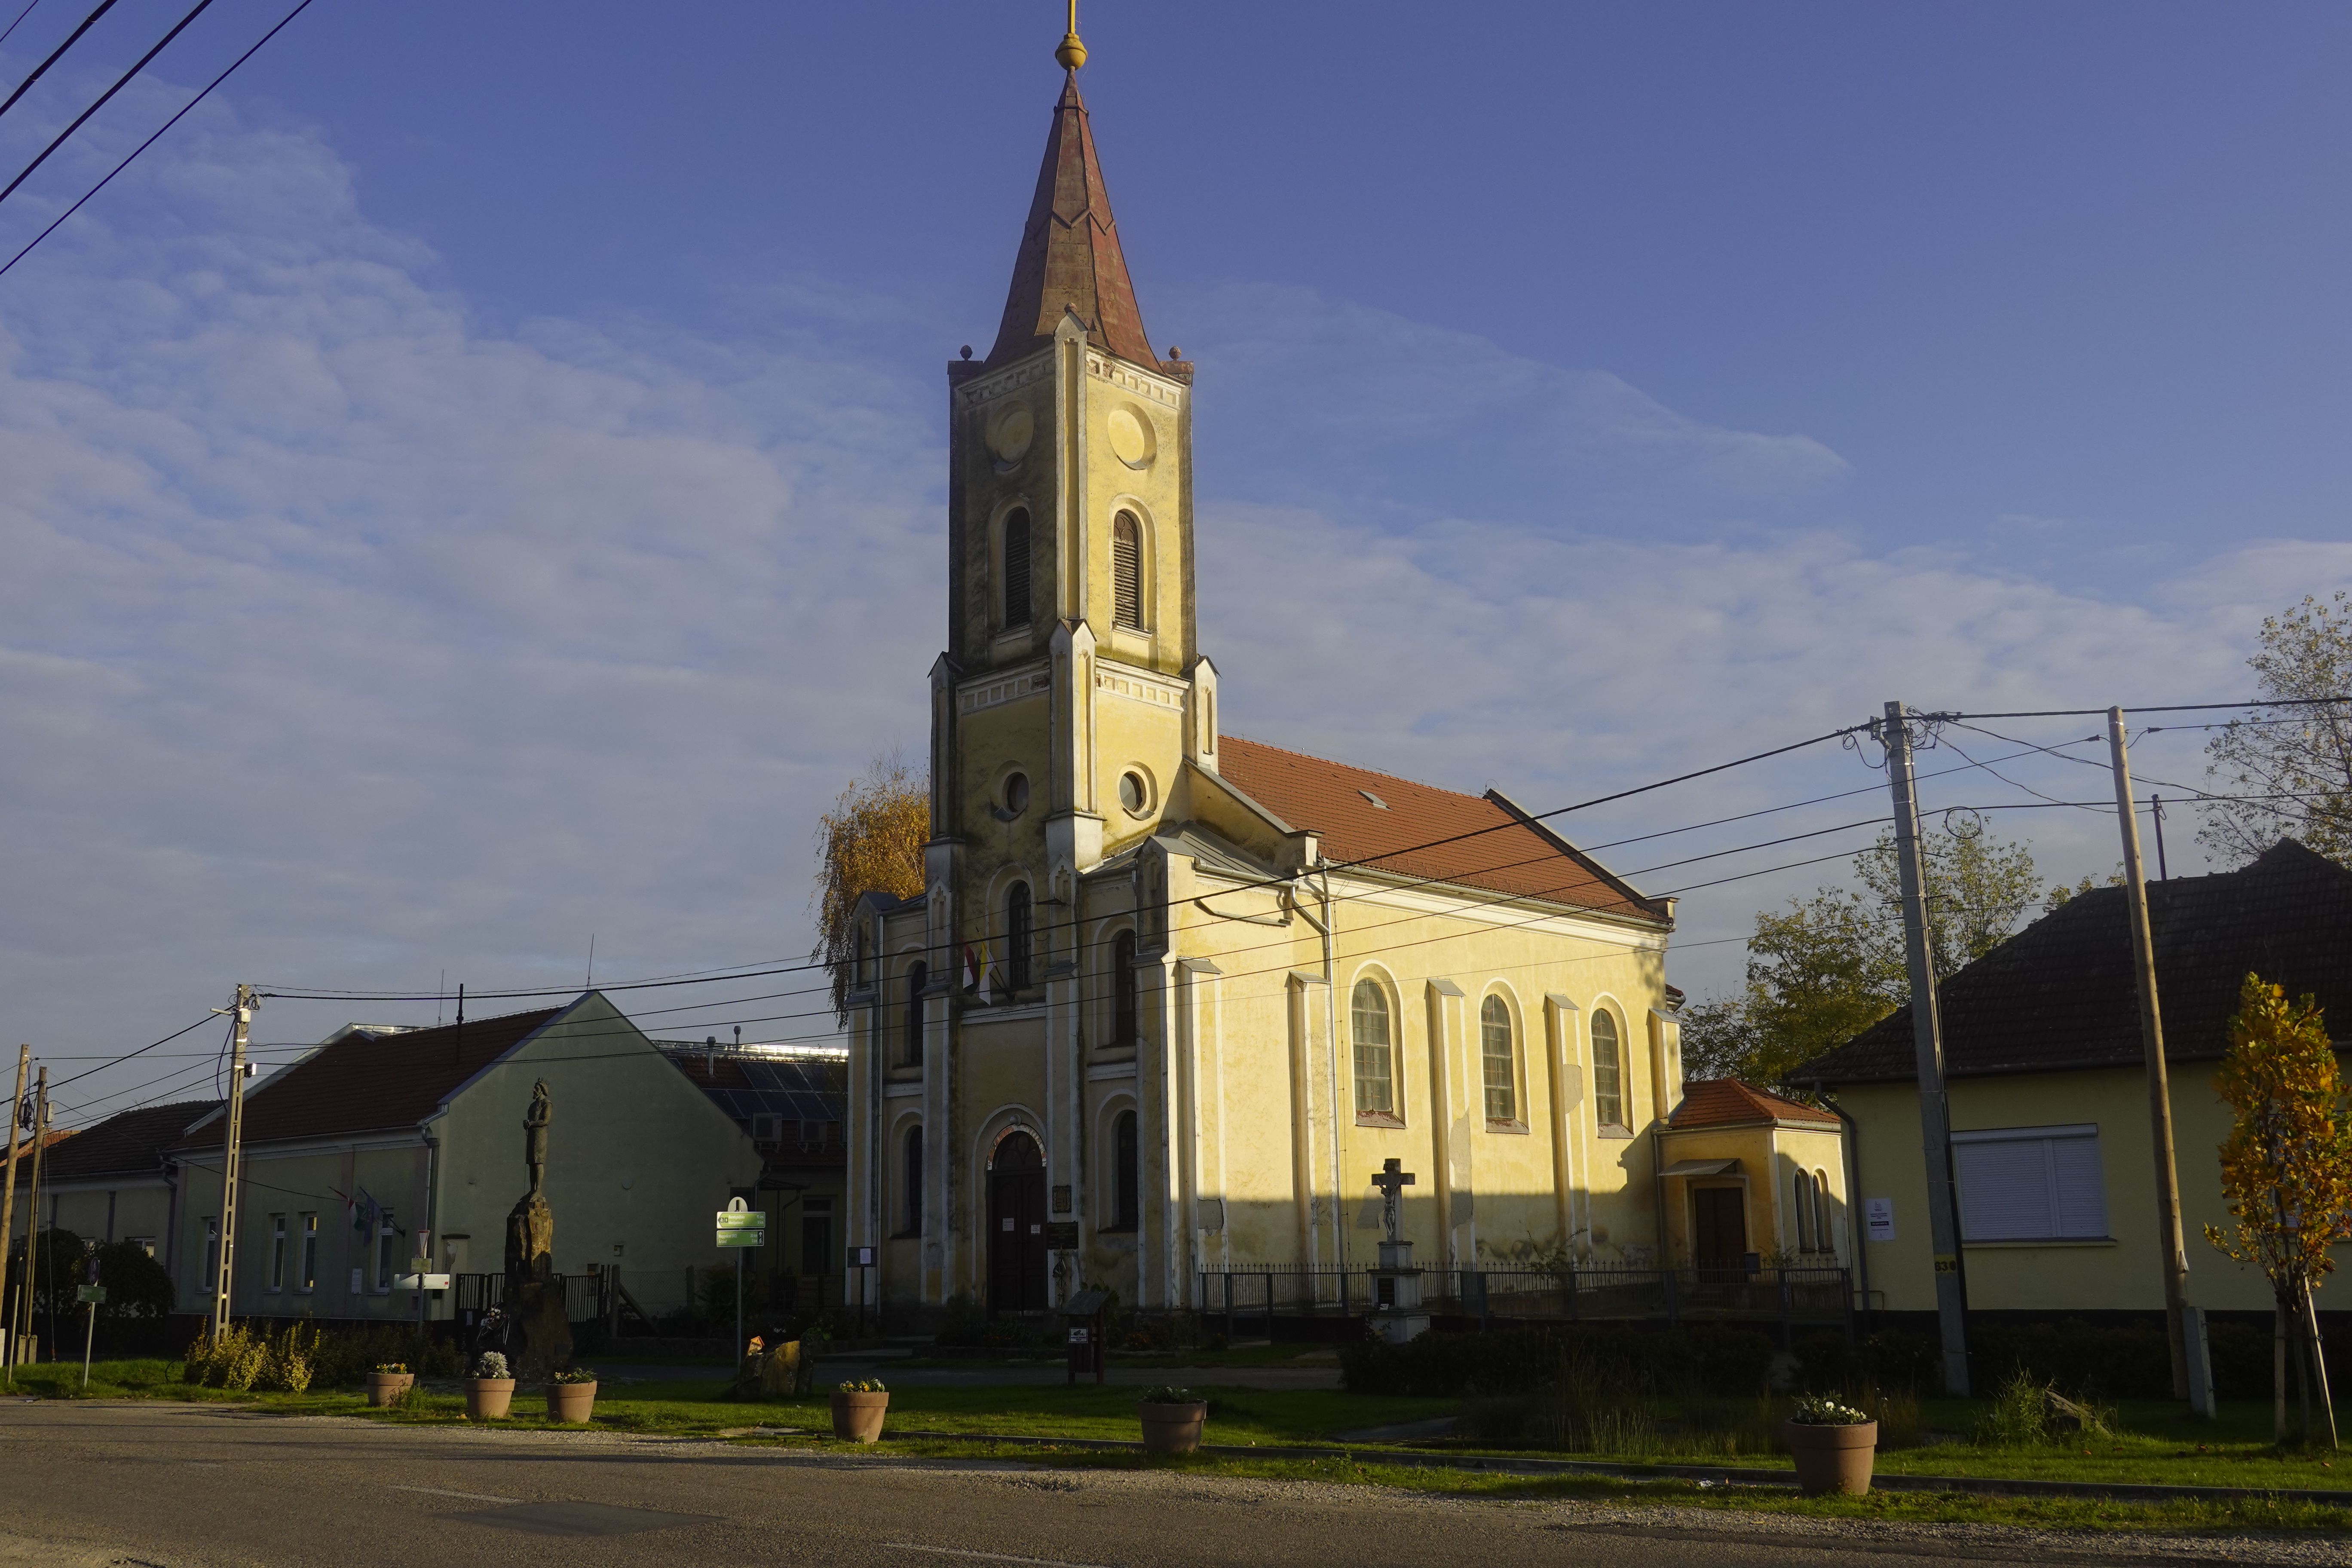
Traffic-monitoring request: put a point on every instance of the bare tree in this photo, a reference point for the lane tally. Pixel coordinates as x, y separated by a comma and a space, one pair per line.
2293, 763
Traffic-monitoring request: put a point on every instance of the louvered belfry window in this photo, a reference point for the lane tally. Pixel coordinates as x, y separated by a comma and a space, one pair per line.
1017, 568
1127, 572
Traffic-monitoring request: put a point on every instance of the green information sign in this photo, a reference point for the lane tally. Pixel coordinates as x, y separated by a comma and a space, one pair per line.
742, 1228
94, 1294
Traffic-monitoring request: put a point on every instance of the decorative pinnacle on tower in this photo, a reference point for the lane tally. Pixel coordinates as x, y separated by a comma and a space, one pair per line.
1073, 52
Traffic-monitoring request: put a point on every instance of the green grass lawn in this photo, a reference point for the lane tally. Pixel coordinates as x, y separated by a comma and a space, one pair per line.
2152, 1444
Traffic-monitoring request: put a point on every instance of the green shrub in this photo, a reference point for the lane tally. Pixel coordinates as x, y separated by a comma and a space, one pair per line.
2018, 1415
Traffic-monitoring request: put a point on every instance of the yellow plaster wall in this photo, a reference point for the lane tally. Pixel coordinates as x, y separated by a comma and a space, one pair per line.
2121, 1274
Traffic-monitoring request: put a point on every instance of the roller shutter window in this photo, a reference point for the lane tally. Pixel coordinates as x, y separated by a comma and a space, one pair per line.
1127, 572
2031, 1184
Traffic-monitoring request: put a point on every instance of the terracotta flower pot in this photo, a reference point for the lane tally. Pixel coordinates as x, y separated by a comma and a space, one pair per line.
1832, 1458
857, 1417
488, 1398
571, 1401
383, 1387
1173, 1428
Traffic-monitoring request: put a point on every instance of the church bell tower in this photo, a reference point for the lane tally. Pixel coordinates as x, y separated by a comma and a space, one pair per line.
1072, 692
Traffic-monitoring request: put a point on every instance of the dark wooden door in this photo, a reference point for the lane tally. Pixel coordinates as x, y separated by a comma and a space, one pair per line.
1721, 1227
1016, 1226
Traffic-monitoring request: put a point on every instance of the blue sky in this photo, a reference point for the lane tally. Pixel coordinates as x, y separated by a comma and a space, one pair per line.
477, 483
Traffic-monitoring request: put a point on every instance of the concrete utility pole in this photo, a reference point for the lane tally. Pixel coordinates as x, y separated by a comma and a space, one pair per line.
1928, 1042
32, 1216
232, 1156
8, 1218
2175, 1250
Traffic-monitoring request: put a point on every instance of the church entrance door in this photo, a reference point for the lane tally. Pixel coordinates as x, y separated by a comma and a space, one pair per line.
1016, 1226
1721, 1232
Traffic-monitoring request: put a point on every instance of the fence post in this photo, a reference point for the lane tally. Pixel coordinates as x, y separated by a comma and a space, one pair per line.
1572, 1314
1674, 1300
1269, 1307
1845, 1294
1788, 1312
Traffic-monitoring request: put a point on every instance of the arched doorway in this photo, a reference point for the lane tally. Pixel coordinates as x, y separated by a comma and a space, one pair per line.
1016, 1226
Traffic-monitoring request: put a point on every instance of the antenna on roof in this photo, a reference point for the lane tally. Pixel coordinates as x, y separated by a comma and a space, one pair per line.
710, 1056
739, 1040
592, 962
458, 1041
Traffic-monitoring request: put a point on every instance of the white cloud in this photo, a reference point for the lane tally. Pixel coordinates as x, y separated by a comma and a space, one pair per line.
343, 640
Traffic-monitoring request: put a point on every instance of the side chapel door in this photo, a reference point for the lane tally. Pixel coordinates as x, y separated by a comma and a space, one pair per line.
1016, 1226
1722, 1231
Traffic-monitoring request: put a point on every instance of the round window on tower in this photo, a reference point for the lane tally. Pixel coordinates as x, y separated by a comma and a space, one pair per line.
1133, 792
1016, 793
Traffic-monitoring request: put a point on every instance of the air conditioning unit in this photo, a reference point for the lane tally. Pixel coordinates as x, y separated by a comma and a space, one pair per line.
767, 1128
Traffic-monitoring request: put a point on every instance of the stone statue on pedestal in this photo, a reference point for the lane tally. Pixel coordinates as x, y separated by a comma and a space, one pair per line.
538, 1333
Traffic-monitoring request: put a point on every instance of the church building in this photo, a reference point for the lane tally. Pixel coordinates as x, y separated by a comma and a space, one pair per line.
1171, 997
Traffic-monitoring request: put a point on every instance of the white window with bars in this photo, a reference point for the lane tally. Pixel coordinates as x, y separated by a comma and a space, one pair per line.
2031, 1184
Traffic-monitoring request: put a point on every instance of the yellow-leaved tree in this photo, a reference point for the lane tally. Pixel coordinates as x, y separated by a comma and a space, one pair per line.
870, 842
2286, 1171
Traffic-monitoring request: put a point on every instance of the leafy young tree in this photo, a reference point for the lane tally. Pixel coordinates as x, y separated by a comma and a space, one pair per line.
2286, 1169
2303, 753
1825, 968
871, 841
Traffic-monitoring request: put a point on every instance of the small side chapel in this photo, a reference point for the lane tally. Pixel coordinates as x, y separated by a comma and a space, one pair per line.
1171, 997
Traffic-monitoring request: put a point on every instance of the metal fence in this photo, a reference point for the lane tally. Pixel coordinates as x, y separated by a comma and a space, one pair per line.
1791, 1297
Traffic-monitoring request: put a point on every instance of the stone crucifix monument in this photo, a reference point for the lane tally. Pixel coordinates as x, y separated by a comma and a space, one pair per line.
537, 1329
1396, 1315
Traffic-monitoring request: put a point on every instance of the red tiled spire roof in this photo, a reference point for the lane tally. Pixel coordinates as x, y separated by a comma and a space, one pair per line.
1069, 252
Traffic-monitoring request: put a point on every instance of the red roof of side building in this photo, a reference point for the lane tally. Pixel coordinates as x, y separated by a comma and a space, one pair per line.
1727, 1102
1378, 820
363, 1082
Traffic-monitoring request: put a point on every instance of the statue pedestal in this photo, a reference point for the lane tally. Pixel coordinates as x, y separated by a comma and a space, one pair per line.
537, 1326
1396, 1314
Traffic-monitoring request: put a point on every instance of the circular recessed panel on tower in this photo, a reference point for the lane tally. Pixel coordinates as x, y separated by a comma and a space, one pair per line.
1131, 437
1009, 432
1135, 791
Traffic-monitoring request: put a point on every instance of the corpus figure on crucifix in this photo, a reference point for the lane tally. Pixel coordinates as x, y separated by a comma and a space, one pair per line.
1392, 1181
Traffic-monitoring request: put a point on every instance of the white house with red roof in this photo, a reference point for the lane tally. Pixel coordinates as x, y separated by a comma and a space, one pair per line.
378, 1148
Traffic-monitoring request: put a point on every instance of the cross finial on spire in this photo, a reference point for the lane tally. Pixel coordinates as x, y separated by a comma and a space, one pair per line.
1073, 53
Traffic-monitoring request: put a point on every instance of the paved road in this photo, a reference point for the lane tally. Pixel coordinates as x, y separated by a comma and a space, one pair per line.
103, 1485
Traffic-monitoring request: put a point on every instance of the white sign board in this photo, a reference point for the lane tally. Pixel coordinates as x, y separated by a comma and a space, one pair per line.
422, 1282
1879, 1213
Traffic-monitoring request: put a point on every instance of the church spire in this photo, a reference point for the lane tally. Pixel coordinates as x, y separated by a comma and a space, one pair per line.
1069, 256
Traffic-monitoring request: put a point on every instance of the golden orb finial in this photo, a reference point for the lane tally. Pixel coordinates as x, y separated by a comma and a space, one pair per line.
1073, 52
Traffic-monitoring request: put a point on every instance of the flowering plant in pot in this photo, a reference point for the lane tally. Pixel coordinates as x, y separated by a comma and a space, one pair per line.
571, 1394
1833, 1445
1172, 1418
388, 1381
859, 1407
490, 1391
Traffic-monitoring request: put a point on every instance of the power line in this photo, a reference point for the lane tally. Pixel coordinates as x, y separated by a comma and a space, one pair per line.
55, 55
299, 9
2155, 708
104, 98
20, 17
140, 1052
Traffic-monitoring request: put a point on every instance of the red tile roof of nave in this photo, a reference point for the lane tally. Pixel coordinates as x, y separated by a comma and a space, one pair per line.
1470, 840
1727, 1101
1070, 254
365, 1081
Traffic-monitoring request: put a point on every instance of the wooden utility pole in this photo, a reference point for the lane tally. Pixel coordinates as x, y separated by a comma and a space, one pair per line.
232, 1156
8, 1218
1927, 1044
2173, 1248
32, 1214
